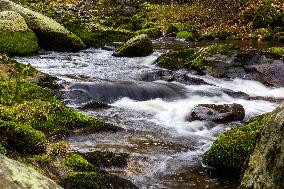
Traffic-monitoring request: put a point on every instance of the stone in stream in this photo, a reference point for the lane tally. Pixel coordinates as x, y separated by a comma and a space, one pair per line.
110, 92
15, 36
168, 75
266, 164
16, 175
93, 105
106, 159
250, 65
51, 35
218, 113
230, 152
138, 46
92, 180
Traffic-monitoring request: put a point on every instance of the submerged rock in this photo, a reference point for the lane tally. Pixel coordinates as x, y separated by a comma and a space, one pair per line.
140, 45
93, 105
106, 159
266, 165
218, 113
16, 175
51, 35
15, 36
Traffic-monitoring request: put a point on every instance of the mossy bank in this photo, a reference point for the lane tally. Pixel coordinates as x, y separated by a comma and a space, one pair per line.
33, 123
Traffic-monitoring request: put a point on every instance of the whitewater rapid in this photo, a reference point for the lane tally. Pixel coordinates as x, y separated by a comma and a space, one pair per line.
163, 143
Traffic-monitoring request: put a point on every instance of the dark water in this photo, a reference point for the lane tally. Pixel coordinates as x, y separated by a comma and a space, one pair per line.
165, 149
173, 43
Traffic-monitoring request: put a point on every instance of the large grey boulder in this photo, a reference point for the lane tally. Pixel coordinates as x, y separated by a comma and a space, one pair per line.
15, 36
266, 164
51, 34
14, 175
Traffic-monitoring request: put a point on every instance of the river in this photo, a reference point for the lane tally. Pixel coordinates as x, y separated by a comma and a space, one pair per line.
165, 149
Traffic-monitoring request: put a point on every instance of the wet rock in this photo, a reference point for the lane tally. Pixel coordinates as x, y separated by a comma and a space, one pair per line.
138, 46
16, 175
237, 94
266, 166
218, 113
168, 75
232, 149
94, 105
110, 92
109, 48
91, 180
106, 159
51, 35
15, 36
272, 73
251, 65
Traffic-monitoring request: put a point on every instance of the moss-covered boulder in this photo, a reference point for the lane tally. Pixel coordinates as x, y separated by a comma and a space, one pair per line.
16, 175
231, 150
15, 36
266, 165
185, 35
106, 159
176, 59
193, 59
51, 35
96, 35
90, 180
138, 46
23, 138
153, 33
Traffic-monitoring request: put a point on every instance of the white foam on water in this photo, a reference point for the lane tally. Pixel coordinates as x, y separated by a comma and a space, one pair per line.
174, 114
252, 88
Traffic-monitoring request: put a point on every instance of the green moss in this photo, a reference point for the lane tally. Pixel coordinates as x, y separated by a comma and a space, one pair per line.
51, 117
232, 149
18, 42
63, 42
2, 149
23, 138
172, 28
61, 149
175, 60
262, 34
222, 48
185, 35
90, 180
43, 160
19, 91
140, 45
276, 51
106, 159
153, 33
192, 58
78, 163
221, 34
94, 35
268, 15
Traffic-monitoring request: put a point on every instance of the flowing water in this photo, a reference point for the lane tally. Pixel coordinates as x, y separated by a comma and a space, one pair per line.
165, 149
